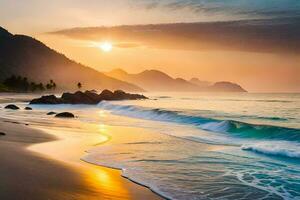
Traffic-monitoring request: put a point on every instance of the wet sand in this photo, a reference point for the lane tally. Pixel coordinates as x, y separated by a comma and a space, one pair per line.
39, 165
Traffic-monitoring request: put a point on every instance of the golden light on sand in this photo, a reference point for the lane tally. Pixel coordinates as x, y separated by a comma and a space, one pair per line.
106, 46
102, 113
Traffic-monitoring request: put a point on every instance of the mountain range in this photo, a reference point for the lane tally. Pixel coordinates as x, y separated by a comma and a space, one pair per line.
25, 56
154, 80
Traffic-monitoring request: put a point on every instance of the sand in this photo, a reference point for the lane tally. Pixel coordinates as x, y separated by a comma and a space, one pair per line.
39, 165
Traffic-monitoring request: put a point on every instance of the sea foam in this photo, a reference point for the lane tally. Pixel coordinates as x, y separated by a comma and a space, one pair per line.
275, 148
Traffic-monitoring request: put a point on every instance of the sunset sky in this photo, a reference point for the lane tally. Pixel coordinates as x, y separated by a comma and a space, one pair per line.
255, 43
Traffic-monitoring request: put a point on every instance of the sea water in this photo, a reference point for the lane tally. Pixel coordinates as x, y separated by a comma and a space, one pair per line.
208, 146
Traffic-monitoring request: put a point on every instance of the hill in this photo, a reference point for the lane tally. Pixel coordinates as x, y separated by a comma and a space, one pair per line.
157, 81
154, 80
225, 87
200, 83
25, 56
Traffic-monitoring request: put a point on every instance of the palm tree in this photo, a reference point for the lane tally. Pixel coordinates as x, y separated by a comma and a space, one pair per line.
54, 86
48, 86
41, 87
79, 85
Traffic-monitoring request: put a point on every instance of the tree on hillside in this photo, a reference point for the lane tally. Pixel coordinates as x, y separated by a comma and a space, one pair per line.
51, 85
41, 87
22, 84
54, 86
33, 87
48, 86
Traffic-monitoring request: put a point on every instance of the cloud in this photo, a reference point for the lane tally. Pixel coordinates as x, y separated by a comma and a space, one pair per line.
253, 8
269, 35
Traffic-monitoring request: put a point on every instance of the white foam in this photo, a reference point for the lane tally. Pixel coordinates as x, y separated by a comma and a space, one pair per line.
275, 148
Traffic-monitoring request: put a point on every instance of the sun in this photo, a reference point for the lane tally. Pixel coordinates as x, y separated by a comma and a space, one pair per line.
106, 46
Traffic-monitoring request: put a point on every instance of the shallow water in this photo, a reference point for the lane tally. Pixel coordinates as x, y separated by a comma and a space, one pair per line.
204, 146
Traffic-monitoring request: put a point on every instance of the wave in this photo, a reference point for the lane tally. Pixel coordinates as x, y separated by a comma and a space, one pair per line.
231, 127
279, 148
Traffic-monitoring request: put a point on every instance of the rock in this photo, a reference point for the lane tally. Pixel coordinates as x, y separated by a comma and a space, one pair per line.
106, 95
65, 115
121, 95
1, 133
50, 99
93, 91
93, 96
28, 108
12, 107
80, 98
51, 113
87, 97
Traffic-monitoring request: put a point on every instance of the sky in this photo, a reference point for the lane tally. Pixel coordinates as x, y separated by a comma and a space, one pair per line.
255, 43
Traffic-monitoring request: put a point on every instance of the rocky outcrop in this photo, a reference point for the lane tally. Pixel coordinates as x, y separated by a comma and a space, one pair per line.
28, 108
12, 107
49, 99
51, 113
87, 97
65, 115
1, 133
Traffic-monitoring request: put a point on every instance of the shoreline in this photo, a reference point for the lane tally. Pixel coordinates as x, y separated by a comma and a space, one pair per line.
106, 140
83, 179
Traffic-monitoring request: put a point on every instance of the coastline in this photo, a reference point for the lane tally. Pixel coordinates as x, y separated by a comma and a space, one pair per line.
32, 169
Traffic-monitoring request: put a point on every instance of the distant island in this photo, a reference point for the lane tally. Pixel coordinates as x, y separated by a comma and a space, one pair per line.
225, 86
155, 80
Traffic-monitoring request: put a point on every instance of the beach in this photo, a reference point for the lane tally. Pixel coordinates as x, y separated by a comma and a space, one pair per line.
30, 171
173, 146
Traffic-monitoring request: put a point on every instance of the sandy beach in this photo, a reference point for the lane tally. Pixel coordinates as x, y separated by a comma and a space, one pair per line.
32, 168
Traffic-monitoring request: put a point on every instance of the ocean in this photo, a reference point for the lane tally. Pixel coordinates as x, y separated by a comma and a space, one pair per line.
199, 145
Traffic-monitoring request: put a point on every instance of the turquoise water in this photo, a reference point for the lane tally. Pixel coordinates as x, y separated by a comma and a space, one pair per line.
204, 146
226, 146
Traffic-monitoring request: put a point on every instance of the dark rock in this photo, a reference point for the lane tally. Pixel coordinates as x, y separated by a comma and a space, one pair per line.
106, 95
50, 99
51, 113
93, 96
87, 97
12, 107
1, 133
28, 108
65, 115
121, 95
79, 98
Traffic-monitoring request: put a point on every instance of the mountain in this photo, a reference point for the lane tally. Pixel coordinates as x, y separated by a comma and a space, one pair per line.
225, 87
200, 83
154, 80
28, 57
